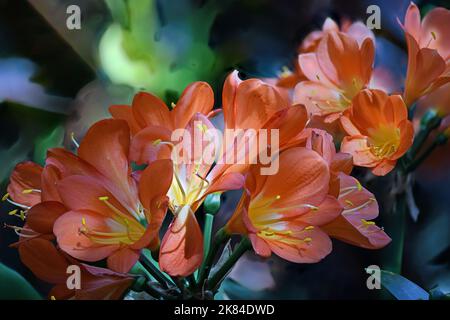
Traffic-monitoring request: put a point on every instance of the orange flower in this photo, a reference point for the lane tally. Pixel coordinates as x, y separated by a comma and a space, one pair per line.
283, 213
428, 52
148, 110
354, 225
50, 265
110, 216
181, 250
356, 30
337, 71
378, 129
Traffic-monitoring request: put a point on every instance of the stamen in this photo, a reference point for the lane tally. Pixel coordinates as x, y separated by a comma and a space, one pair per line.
362, 206
309, 228
18, 204
74, 141
28, 191
173, 105
5, 197
307, 240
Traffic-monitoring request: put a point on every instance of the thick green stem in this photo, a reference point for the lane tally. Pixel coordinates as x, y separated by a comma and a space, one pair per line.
154, 271
241, 248
209, 219
429, 123
220, 237
440, 140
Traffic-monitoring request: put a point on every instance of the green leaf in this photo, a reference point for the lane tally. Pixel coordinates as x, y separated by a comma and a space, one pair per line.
14, 287
402, 288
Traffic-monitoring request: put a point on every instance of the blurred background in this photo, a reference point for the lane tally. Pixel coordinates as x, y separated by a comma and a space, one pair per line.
55, 81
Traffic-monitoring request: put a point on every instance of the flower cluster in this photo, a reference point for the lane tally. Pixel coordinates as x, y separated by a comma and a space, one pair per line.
124, 192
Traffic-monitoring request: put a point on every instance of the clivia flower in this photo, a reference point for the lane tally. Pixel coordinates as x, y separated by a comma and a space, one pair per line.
283, 213
378, 129
336, 72
428, 52
111, 215
50, 264
356, 30
354, 225
181, 250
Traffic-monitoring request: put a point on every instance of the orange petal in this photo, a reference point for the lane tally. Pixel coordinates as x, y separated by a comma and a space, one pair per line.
70, 240
25, 176
42, 216
146, 146
198, 97
44, 260
123, 260
181, 250
149, 110
122, 112
49, 179
352, 230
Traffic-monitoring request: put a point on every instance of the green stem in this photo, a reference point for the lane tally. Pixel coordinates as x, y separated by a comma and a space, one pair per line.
440, 140
220, 237
430, 124
154, 271
209, 219
241, 248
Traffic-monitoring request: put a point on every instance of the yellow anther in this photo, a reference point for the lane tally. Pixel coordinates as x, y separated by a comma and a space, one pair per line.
358, 185
27, 191
173, 105
278, 197
83, 221
317, 76
156, 142
367, 223
6, 196
52, 298
349, 202
13, 212
307, 240
433, 35
309, 228
105, 198
314, 208
202, 127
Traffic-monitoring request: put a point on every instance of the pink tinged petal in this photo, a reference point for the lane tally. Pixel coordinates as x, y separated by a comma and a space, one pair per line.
360, 32
318, 98
349, 127
357, 146
72, 241
260, 246
355, 199
412, 21
435, 26
311, 69
123, 260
